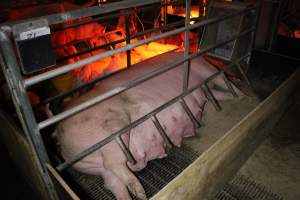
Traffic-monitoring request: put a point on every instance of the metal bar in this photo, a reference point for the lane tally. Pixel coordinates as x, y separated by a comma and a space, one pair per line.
86, 12
211, 97
66, 68
190, 114
165, 12
90, 50
103, 142
129, 85
187, 63
229, 85
62, 182
162, 132
243, 73
168, 26
125, 150
111, 16
127, 31
23, 108
126, 129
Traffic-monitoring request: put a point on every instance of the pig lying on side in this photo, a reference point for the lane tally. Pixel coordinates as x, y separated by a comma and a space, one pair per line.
86, 128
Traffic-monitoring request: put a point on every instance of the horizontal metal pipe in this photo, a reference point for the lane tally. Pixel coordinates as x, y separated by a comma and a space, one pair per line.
131, 84
84, 85
66, 68
90, 50
122, 40
90, 11
111, 16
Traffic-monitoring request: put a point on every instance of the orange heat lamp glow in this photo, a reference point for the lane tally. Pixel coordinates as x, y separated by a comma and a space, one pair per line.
64, 43
180, 11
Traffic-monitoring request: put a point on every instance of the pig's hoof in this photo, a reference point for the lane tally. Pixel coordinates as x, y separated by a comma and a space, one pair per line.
137, 190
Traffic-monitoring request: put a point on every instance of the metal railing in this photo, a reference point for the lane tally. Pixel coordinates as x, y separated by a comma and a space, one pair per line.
18, 84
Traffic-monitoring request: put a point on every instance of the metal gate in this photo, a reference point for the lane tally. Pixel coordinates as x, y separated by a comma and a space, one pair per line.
18, 84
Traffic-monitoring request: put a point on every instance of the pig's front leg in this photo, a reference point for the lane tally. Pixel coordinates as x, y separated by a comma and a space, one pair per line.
116, 162
115, 185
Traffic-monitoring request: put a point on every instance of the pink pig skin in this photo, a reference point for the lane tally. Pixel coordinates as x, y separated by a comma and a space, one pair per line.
86, 128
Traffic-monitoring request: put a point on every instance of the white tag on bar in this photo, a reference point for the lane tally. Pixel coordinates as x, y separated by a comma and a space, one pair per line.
34, 33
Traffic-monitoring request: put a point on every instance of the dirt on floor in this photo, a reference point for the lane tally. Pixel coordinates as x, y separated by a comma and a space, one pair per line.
276, 163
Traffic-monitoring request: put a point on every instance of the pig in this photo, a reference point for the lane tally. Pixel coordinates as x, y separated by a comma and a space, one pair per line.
92, 125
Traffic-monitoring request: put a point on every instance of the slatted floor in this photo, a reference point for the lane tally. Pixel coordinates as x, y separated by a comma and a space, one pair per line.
159, 172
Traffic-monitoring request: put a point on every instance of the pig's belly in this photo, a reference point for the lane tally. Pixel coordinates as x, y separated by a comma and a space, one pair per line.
89, 127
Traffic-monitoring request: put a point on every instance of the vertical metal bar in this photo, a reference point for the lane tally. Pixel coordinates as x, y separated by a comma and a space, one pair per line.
127, 31
187, 45
236, 40
125, 150
228, 84
211, 97
257, 12
243, 73
165, 11
189, 113
24, 111
162, 132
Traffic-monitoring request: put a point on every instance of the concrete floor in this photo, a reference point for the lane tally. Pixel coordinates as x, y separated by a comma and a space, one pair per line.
276, 163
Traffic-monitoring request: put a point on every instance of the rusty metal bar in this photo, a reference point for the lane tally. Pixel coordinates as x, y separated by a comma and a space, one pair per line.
125, 150
162, 132
189, 113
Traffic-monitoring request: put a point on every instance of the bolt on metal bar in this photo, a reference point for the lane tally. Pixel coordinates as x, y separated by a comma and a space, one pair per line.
189, 113
125, 150
229, 85
162, 132
126, 129
129, 85
187, 63
66, 68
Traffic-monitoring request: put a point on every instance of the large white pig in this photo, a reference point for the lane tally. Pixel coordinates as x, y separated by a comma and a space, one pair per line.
86, 128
